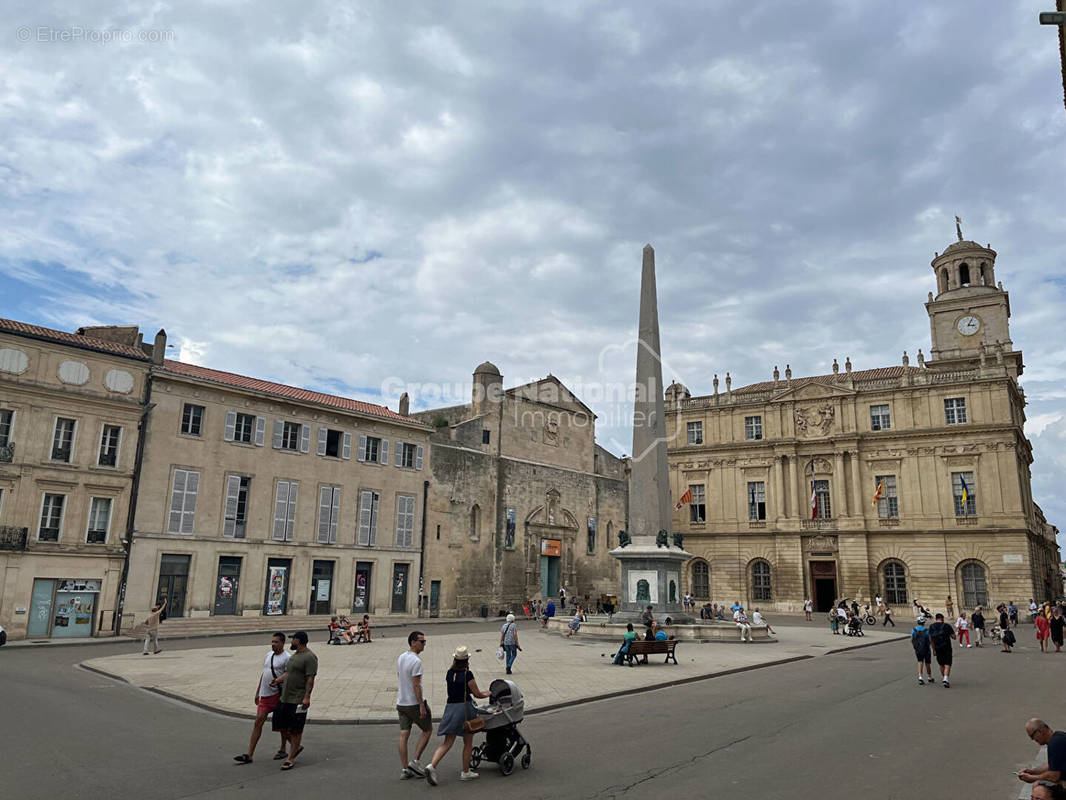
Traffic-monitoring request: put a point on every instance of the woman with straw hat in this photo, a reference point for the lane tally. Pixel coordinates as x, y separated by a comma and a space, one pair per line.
462, 688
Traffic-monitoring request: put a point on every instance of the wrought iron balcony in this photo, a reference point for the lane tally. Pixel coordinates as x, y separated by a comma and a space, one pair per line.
12, 538
7, 452
817, 524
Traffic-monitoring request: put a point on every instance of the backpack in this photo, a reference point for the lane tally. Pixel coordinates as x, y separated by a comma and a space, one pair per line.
940, 635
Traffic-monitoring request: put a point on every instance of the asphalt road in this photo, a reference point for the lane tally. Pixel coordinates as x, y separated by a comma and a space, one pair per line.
840, 726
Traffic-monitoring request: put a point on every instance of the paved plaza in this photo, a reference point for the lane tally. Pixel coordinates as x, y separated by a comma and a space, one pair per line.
357, 683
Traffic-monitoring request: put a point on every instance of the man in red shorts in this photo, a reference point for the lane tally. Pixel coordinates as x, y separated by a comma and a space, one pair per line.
266, 698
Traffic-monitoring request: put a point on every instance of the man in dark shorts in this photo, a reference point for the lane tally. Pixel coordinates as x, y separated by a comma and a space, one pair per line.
1057, 622
298, 683
1055, 741
411, 706
920, 643
266, 698
940, 635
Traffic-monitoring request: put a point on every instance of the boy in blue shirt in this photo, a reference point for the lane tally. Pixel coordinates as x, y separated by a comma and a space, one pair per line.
922, 649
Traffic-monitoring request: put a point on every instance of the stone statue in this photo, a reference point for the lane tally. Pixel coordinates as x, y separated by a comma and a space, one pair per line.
662, 539
958, 227
679, 539
623, 539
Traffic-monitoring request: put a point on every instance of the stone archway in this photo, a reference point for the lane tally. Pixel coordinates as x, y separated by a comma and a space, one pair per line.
550, 533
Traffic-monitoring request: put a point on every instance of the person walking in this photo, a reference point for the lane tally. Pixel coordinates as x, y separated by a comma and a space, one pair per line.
1033, 608
411, 705
1012, 612
962, 628
950, 607
1055, 626
977, 622
509, 641
151, 627
562, 597
941, 634
266, 699
922, 649
1043, 631
297, 684
808, 608
888, 617
460, 708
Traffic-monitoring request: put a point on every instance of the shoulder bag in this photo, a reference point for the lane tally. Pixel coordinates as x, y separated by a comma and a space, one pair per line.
477, 723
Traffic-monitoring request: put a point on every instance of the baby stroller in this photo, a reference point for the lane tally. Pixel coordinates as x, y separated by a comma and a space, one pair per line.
503, 743
855, 627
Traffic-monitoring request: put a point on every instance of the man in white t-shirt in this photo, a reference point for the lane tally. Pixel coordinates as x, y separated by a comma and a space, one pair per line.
741, 620
266, 698
411, 705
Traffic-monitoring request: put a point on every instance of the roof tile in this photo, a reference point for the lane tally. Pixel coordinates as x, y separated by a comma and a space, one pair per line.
77, 340
857, 375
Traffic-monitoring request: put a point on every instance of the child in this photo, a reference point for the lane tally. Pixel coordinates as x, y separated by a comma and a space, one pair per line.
364, 627
923, 650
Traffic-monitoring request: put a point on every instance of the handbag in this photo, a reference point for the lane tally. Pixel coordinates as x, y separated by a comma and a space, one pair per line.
477, 723
500, 655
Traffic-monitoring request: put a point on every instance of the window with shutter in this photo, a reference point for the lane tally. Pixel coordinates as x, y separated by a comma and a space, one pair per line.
347, 451
260, 431
183, 501
384, 459
360, 454
329, 509
279, 429
305, 438
233, 488
323, 434
368, 518
231, 426
418, 458
405, 520
285, 510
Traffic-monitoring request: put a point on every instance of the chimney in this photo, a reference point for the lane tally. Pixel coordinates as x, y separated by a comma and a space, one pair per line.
405, 404
159, 347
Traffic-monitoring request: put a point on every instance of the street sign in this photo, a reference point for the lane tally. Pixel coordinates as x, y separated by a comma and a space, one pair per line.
1053, 17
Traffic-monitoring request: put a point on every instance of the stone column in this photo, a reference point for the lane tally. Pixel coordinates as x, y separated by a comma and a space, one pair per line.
779, 488
841, 493
856, 486
798, 484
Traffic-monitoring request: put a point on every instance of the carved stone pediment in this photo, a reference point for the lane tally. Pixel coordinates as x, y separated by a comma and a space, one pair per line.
822, 466
815, 420
812, 391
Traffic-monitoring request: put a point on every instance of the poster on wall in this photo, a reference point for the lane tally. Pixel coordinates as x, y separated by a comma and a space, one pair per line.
360, 592
225, 587
323, 590
551, 547
275, 591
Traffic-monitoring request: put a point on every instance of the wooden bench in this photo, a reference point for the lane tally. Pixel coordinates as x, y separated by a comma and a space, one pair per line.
640, 649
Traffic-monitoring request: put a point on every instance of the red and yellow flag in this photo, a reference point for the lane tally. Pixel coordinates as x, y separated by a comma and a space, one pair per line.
880, 492
685, 498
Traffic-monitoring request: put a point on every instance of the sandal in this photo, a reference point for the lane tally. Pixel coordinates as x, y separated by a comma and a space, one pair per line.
243, 758
280, 755
288, 765
293, 756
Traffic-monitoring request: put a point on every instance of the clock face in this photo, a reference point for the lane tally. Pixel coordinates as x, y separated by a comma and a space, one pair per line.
968, 325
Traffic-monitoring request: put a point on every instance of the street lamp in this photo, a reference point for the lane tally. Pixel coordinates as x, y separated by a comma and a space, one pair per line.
1058, 18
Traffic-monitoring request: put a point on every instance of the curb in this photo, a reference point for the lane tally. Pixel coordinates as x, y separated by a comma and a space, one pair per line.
863, 646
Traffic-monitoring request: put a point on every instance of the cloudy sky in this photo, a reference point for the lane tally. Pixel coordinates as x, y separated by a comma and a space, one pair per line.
358, 195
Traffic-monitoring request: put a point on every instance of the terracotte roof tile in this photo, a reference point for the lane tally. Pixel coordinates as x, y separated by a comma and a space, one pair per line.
74, 339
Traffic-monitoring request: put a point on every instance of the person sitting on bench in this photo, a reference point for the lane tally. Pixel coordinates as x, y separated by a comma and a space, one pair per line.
628, 638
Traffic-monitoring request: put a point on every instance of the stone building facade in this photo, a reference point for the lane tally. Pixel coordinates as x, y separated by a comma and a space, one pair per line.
70, 407
261, 499
522, 500
912, 482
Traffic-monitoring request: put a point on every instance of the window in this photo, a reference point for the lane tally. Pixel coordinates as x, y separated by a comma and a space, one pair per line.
183, 501
701, 580
756, 500
964, 490
508, 537
880, 418
752, 427
285, 510
7, 421
895, 584
244, 427
695, 433
405, 520
51, 517
236, 522
486, 436
974, 585
109, 441
329, 513
374, 449
408, 455
335, 444
822, 509
955, 410
99, 520
291, 436
591, 535
368, 518
63, 439
964, 274
887, 503
760, 581
697, 509
192, 420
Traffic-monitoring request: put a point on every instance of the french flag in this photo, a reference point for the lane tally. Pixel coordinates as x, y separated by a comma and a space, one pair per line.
814, 496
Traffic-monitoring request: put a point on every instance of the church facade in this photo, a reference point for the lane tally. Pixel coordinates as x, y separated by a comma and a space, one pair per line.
912, 482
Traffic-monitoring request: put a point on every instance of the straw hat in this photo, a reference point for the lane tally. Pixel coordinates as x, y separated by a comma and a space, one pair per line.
462, 653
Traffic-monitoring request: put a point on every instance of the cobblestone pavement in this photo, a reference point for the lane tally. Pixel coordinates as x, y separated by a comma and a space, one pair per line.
357, 683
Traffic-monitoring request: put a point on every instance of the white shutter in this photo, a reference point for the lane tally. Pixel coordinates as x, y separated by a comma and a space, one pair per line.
374, 520
305, 438
279, 429
346, 452
233, 488
188, 512
260, 431
281, 502
231, 425
323, 434
177, 501
383, 453
418, 458
366, 501
290, 519
335, 516
401, 506
325, 503
398, 458
361, 455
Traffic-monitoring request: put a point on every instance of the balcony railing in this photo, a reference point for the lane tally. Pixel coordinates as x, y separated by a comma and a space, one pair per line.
7, 452
965, 520
756, 524
888, 522
817, 524
12, 538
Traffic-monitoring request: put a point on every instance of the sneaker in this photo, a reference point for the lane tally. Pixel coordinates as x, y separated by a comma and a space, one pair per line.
415, 766
468, 776
969, 645
431, 775
406, 774
921, 682
946, 684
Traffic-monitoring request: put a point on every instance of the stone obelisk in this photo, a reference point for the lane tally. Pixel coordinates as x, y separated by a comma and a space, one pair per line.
651, 568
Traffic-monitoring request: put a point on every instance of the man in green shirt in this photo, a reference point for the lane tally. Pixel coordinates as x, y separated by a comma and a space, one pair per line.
297, 683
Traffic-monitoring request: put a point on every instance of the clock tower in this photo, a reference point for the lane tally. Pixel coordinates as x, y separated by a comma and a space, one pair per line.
968, 318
